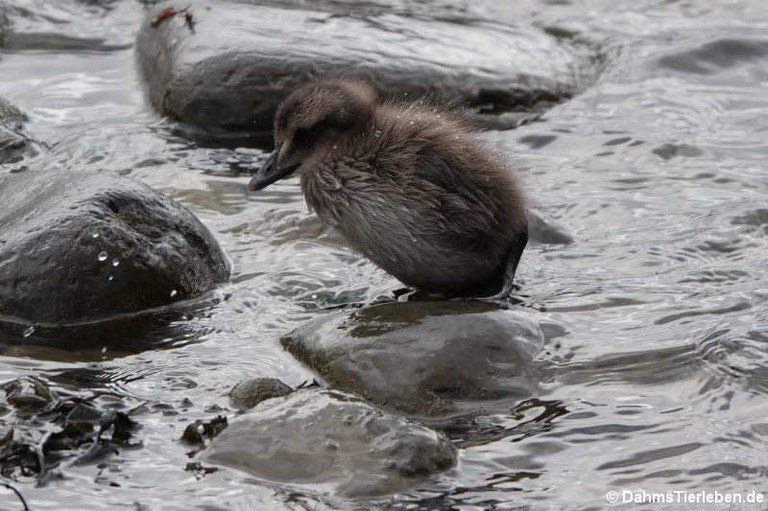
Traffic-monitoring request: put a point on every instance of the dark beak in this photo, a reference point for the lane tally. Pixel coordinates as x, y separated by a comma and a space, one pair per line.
269, 173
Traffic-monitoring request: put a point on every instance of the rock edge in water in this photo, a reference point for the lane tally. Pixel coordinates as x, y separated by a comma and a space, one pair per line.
227, 65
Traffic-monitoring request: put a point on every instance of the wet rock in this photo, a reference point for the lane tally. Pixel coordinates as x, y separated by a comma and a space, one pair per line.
249, 393
83, 247
29, 394
426, 358
227, 65
542, 230
13, 143
333, 441
199, 431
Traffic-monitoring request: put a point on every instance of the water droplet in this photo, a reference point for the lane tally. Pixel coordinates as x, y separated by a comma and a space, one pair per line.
377, 133
115, 262
174, 293
103, 256
103, 349
411, 123
111, 278
29, 331
95, 235
334, 147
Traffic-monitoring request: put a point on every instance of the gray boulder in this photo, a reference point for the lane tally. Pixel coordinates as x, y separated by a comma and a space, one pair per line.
424, 358
227, 65
83, 247
332, 441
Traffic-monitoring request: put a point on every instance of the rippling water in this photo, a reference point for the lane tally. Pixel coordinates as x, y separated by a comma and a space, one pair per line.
658, 170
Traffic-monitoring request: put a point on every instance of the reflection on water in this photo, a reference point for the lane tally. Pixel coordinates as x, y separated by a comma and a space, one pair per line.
656, 378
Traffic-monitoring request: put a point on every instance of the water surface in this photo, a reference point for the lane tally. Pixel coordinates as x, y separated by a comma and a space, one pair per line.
658, 170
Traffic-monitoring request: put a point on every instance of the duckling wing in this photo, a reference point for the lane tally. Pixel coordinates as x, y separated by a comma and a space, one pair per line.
460, 190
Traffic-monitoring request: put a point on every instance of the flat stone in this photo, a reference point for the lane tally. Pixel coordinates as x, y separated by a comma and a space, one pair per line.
424, 358
83, 247
229, 64
249, 393
331, 441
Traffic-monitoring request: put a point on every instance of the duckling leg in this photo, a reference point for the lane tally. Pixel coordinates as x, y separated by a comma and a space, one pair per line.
513, 258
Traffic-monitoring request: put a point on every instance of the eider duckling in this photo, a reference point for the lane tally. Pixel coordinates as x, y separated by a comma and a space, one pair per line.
406, 185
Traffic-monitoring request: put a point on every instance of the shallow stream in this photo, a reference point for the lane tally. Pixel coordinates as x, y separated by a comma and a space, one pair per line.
658, 170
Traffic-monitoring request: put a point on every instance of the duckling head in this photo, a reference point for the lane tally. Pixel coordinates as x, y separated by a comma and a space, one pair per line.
310, 121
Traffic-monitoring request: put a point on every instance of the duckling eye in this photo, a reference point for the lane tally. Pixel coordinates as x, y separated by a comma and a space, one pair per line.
302, 136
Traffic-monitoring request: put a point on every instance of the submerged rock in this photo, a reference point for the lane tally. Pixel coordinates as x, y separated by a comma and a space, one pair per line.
229, 64
721, 55
426, 358
249, 393
83, 247
332, 441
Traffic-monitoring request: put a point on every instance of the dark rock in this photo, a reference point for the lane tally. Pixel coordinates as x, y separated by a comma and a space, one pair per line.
227, 65
14, 144
249, 393
48, 429
426, 358
541, 230
199, 431
78, 248
331, 439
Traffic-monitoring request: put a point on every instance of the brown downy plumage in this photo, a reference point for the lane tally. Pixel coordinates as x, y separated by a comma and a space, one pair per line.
407, 186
